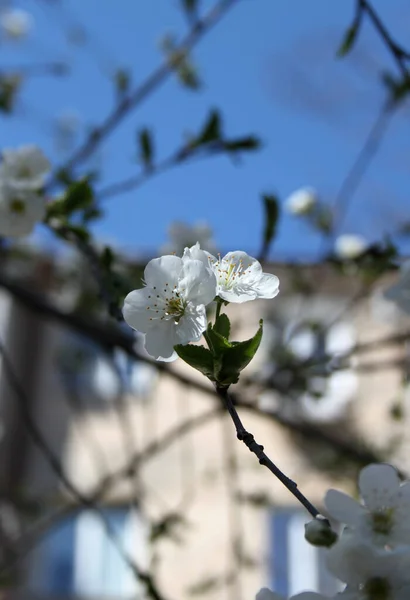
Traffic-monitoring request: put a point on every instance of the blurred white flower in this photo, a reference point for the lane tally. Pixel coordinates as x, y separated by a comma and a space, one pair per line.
399, 293
239, 276
24, 168
20, 210
15, 23
350, 246
370, 573
301, 201
170, 309
383, 518
183, 235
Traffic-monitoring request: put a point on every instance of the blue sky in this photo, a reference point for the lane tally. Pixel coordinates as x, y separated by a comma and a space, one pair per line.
270, 68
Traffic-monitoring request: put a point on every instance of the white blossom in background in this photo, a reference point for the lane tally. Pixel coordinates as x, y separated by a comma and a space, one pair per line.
370, 573
183, 235
24, 168
20, 210
266, 594
239, 276
15, 24
302, 201
383, 518
350, 246
170, 309
399, 293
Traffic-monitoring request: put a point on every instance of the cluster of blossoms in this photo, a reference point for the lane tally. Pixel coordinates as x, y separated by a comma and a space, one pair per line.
22, 176
171, 308
372, 554
304, 202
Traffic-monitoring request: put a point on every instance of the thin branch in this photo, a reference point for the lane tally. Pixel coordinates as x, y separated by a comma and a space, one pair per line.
136, 97
109, 337
181, 157
29, 540
249, 441
57, 468
398, 52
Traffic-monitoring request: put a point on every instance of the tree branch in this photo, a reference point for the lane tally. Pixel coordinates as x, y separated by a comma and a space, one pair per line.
136, 97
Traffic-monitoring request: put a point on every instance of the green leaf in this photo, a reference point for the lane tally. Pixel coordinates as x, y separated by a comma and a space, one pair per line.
188, 74
211, 130
190, 6
146, 147
246, 143
223, 326
9, 88
348, 40
122, 80
107, 258
91, 214
271, 206
80, 232
198, 357
79, 196
398, 88
237, 357
216, 342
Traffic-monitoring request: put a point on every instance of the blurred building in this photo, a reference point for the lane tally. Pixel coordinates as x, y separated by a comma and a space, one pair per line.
174, 488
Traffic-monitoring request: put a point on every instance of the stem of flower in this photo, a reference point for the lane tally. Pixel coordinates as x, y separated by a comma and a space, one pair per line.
248, 439
218, 308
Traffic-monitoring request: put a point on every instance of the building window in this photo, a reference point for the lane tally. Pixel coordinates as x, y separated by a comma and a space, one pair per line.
294, 564
77, 558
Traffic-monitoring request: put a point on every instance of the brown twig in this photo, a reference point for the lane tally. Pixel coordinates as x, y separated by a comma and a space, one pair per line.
249, 441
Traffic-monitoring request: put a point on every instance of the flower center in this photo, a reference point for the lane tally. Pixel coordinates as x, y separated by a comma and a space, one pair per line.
382, 521
377, 588
17, 206
175, 307
228, 272
24, 172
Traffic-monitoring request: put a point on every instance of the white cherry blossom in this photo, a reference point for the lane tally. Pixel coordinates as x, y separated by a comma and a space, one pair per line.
239, 276
302, 201
24, 168
350, 246
399, 293
20, 210
370, 573
170, 309
383, 518
15, 23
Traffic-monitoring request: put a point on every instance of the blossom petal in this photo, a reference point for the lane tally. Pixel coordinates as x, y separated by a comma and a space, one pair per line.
135, 310
160, 340
163, 272
249, 264
196, 253
236, 296
377, 484
268, 286
198, 282
351, 561
343, 508
191, 325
